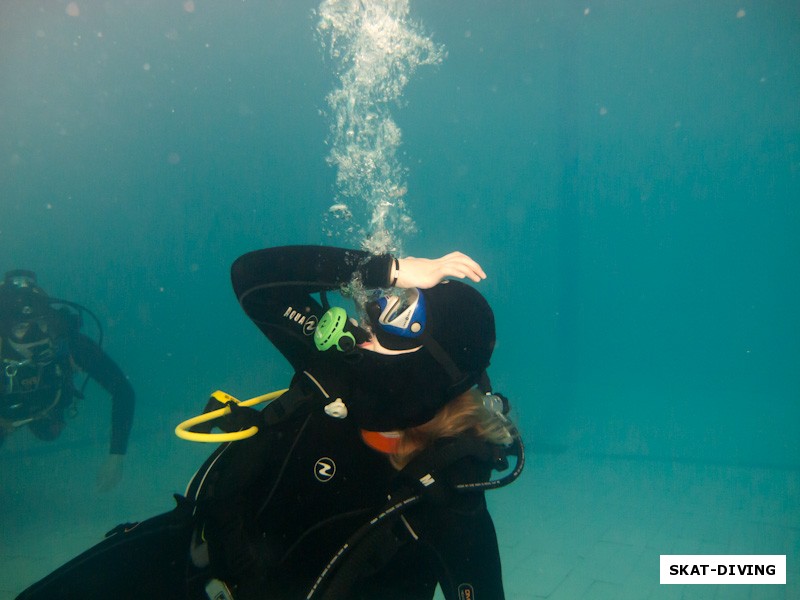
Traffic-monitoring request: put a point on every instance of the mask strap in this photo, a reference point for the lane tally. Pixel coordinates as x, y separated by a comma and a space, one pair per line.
484, 385
443, 358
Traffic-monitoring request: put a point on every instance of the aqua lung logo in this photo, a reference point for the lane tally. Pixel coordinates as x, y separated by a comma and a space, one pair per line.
324, 469
309, 322
466, 592
310, 325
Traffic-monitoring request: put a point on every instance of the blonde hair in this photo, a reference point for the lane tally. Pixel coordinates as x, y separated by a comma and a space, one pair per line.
463, 414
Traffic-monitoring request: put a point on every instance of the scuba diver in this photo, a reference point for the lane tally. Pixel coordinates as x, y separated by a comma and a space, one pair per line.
365, 479
42, 350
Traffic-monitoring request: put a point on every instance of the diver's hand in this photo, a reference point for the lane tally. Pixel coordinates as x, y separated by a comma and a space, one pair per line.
427, 272
240, 418
213, 404
110, 473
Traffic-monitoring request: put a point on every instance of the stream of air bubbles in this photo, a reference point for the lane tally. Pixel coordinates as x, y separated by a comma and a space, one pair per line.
375, 48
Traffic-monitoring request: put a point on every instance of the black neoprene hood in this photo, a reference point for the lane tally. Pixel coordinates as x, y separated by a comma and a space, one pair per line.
404, 390
19, 304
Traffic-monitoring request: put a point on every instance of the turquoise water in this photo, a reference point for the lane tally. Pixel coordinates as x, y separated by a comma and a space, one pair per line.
626, 172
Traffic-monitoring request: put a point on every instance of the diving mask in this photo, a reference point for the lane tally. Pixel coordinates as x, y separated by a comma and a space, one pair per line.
402, 315
20, 278
397, 321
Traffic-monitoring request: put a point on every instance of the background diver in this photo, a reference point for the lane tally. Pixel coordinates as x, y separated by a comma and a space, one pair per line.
366, 478
42, 350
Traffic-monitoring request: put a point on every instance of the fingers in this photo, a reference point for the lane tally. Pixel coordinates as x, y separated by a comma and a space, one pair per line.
110, 473
458, 264
426, 273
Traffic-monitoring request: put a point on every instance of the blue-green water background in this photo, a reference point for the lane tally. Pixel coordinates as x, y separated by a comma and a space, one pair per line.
628, 177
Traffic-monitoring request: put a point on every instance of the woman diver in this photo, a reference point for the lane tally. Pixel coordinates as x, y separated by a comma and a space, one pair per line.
366, 477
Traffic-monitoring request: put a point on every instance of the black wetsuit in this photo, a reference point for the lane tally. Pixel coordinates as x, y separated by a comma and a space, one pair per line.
41, 389
275, 508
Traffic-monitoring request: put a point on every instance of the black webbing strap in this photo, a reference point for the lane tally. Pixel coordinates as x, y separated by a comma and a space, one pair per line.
374, 543
442, 454
285, 405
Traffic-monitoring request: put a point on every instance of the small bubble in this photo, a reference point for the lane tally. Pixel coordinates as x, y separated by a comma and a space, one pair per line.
740, 14
73, 10
188, 6
586, 11
603, 111
146, 66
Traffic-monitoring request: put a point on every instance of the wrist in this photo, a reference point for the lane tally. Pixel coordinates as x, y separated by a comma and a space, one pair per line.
394, 272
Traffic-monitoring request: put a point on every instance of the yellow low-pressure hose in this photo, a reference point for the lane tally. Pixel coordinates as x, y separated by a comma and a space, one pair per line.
182, 430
